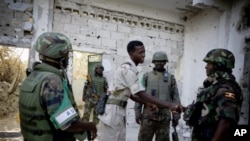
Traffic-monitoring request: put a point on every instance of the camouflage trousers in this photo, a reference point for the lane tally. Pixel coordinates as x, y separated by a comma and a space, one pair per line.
88, 108
150, 127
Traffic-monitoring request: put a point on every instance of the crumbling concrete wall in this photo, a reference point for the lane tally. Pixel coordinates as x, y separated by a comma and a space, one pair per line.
104, 31
16, 22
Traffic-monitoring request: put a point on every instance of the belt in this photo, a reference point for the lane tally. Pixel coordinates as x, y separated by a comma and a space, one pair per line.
118, 102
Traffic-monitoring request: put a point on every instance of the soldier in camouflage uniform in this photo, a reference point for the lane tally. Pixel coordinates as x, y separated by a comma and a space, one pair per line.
46, 91
160, 84
92, 92
218, 104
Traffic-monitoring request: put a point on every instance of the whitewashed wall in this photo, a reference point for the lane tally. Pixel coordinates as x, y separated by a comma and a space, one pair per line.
208, 30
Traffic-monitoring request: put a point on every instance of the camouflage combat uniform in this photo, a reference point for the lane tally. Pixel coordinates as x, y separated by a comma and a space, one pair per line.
101, 85
157, 122
42, 93
220, 98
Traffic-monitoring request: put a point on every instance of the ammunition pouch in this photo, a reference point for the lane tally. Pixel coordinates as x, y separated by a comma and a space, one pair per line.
193, 113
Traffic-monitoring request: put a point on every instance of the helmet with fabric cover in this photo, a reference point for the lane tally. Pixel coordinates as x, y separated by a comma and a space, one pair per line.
99, 65
160, 56
53, 45
221, 57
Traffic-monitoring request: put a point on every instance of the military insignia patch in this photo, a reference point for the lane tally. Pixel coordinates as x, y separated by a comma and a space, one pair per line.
229, 95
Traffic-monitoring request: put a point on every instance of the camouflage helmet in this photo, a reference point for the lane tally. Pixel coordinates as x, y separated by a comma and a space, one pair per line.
53, 45
221, 57
160, 56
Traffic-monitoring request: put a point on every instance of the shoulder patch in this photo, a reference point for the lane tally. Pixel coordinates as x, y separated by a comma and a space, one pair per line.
126, 65
229, 95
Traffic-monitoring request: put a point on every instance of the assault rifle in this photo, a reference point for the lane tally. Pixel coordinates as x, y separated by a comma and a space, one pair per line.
193, 113
93, 93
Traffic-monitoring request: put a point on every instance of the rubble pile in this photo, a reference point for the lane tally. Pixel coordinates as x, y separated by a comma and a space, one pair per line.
11, 76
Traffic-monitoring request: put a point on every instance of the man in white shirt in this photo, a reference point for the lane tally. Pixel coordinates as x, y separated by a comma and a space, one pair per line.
126, 85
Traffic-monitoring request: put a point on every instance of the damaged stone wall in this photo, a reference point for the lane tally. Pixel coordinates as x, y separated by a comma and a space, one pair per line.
243, 28
16, 22
99, 30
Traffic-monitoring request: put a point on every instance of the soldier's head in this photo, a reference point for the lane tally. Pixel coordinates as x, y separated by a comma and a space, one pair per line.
159, 60
136, 51
53, 48
99, 69
219, 60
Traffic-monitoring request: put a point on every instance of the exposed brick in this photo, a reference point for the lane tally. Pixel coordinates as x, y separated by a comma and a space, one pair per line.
95, 23
88, 31
160, 42
176, 37
153, 33
172, 44
71, 28
6, 11
118, 36
93, 41
57, 26
110, 43
21, 16
62, 18
134, 37
164, 35
77, 20
109, 26
125, 29
147, 41
122, 47
140, 31
103, 33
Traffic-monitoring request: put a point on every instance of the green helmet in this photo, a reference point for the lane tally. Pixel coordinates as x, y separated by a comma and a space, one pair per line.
221, 57
99, 66
160, 56
53, 45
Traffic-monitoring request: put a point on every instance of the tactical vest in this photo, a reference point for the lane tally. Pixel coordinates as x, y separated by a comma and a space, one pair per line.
99, 84
160, 89
35, 123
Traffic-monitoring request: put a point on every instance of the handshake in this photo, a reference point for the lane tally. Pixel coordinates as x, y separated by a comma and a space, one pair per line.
174, 108
177, 108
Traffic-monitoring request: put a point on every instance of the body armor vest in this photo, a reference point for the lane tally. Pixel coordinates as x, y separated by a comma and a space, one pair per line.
160, 89
35, 123
99, 84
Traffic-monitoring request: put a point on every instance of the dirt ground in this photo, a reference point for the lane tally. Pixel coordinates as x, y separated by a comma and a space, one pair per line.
10, 124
